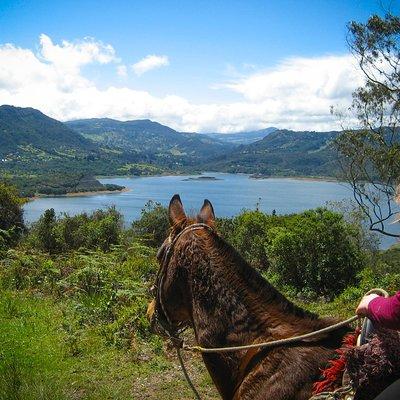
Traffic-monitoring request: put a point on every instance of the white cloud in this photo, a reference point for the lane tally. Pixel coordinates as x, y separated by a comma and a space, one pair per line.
71, 56
296, 94
329, 77
301, 89
122, 70
148, 63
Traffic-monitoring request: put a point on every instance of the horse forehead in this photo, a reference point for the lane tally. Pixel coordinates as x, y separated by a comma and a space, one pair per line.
186, 240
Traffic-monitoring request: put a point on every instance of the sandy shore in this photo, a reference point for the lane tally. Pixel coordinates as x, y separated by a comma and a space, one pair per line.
79, 194
76, 194
298, 178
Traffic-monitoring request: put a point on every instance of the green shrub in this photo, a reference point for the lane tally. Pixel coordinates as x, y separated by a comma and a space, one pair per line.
316, 252
48, 237
100, 230
28, 269
153, 224
11, 216
4, 242
105, 291
248, 234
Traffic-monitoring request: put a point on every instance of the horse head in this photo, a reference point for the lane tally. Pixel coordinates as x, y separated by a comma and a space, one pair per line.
169, 312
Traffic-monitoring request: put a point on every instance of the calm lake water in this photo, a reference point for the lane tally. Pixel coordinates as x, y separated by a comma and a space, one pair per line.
229, 194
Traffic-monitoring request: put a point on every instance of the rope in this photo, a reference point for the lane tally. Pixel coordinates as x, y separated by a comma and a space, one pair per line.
273, 343
321, 396
185, 373
379, 291
281, 342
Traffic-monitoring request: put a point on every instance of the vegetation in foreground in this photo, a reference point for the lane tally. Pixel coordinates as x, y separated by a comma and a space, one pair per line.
74, 292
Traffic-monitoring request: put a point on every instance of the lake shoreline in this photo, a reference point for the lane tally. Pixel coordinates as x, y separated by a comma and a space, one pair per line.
80, 194
298, 178
250, 176
230, 195
208, 178
93, 193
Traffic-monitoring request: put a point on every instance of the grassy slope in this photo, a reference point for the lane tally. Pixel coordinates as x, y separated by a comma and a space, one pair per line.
58, 341
72, 326
37, 359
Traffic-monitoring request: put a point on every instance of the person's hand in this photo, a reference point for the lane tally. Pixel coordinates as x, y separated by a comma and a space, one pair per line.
362, 308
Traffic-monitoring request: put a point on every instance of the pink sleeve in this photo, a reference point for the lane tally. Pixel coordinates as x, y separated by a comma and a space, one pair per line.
385, 312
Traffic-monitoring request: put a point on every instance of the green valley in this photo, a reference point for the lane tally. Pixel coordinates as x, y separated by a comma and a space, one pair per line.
44, 156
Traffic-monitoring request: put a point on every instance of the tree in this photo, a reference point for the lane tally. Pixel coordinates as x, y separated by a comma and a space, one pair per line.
316, 251
249, 234
100, 230
46, 234
11, 215
370, 154
153, 223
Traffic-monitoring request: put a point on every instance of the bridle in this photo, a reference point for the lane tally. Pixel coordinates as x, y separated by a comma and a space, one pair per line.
163, 322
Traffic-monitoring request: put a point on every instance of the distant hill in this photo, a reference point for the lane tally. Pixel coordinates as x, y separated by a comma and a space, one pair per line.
242, 137
154, 141
42, 155
37, 151
284, 153
26, 130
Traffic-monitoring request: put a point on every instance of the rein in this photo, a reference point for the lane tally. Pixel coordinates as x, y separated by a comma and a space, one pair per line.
274, 343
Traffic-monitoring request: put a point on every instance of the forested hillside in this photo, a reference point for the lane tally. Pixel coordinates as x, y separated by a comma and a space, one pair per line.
26, 131
44, 156
151, 140
242, 137
283, 153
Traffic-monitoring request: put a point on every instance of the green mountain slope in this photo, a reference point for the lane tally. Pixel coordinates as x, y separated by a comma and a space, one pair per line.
156, 142
41, 155
39, 152
246, 137
28, 130
284, 153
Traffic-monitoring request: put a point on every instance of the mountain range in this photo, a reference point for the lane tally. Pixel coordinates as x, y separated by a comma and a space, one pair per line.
246, 137
283, 153
154, 141
37, 151
23, 128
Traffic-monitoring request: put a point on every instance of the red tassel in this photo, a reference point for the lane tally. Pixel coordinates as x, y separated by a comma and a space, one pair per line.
332, 375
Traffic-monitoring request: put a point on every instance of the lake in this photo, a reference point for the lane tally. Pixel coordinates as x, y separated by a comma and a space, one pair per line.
229, 194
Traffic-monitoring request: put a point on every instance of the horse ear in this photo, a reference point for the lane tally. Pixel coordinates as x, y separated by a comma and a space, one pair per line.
176, 212
206, 214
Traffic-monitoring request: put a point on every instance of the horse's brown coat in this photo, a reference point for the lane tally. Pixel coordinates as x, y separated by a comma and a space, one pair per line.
210, 287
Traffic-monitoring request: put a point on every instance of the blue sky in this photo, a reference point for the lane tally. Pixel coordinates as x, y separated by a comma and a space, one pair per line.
216, 56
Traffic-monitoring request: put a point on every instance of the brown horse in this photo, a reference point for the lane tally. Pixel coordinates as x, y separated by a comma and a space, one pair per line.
205, 284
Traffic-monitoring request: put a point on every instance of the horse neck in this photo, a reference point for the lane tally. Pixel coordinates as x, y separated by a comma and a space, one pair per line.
232, 296
233, 305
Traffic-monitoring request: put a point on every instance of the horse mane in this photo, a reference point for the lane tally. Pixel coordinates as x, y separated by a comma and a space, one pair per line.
267, 291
